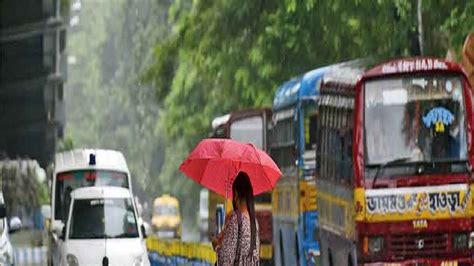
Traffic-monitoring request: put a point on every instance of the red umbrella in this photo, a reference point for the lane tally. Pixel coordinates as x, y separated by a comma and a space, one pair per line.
214, 163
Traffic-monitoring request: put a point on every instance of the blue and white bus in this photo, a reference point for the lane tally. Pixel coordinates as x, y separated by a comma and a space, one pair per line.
293, 147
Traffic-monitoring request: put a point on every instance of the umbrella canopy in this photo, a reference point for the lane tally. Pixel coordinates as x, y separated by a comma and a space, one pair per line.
214, 163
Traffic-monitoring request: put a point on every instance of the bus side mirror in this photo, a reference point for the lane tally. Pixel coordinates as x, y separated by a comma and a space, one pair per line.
3, 211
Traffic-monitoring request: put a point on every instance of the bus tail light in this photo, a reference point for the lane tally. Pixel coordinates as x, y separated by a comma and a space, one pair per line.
365, 245
375, 244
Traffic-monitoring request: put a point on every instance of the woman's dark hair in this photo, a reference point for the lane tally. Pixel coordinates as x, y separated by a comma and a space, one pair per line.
244, 190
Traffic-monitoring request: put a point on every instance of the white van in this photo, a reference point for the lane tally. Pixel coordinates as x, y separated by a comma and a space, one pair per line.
75, 169
102, 229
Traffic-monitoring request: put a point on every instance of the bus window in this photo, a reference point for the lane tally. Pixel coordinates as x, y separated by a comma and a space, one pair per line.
249, 130
310, 127
263, 198
282, 147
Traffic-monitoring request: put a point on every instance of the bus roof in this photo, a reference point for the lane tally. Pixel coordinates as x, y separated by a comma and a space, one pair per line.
166, 199
100, 192
237, 115
298, 88
413, 65
344, 76
79, 159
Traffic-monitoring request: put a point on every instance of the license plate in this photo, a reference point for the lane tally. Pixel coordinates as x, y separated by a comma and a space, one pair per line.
165, 234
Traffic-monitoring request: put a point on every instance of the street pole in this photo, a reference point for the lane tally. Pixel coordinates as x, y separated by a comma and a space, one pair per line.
420, 26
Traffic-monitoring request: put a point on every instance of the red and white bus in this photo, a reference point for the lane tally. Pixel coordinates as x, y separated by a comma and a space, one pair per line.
394, 159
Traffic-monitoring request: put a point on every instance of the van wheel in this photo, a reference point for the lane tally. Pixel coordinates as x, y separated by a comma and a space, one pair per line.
331, 261
282, 255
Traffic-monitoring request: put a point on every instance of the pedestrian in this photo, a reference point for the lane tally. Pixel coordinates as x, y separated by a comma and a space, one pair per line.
238, 243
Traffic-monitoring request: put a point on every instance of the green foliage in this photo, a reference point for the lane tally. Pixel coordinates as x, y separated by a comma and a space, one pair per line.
226, 55
66, 144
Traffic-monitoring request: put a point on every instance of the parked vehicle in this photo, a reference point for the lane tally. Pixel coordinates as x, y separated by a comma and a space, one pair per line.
102, 229
292, 144
166, 219
395, 156
6, 228
75, 169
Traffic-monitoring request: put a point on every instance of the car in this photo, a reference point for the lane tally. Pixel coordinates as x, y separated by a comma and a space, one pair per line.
6, 249
103, 229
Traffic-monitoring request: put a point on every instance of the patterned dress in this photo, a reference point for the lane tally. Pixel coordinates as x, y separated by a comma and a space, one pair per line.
228, 249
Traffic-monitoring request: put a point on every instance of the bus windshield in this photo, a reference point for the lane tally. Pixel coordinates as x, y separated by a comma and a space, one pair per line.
417, 118
166, 210
68, 181
248, 130
103, 218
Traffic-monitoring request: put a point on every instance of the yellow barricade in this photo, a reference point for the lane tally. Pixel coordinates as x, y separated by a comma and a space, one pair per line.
188, 250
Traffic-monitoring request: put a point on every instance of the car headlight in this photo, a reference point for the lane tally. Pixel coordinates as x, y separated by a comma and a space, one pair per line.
71, 260
460, 241
375, 244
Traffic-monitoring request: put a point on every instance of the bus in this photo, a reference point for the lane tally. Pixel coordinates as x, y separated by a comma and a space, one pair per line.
394, 161
292, 146
248, 125
80, 168
166, 218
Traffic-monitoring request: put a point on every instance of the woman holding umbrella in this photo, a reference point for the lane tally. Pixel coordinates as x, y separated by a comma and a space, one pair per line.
238, 243
218, 163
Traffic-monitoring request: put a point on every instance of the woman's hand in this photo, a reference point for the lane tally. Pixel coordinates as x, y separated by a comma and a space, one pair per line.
215, 242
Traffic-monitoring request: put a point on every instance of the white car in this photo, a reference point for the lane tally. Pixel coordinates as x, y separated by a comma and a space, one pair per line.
102, 229
6, 249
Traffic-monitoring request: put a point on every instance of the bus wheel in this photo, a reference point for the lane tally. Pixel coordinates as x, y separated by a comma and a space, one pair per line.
331, 261
349, 260
297, 250
282, 255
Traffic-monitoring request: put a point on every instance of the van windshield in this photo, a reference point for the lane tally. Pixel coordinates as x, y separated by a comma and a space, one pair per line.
68, 181
103, 218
